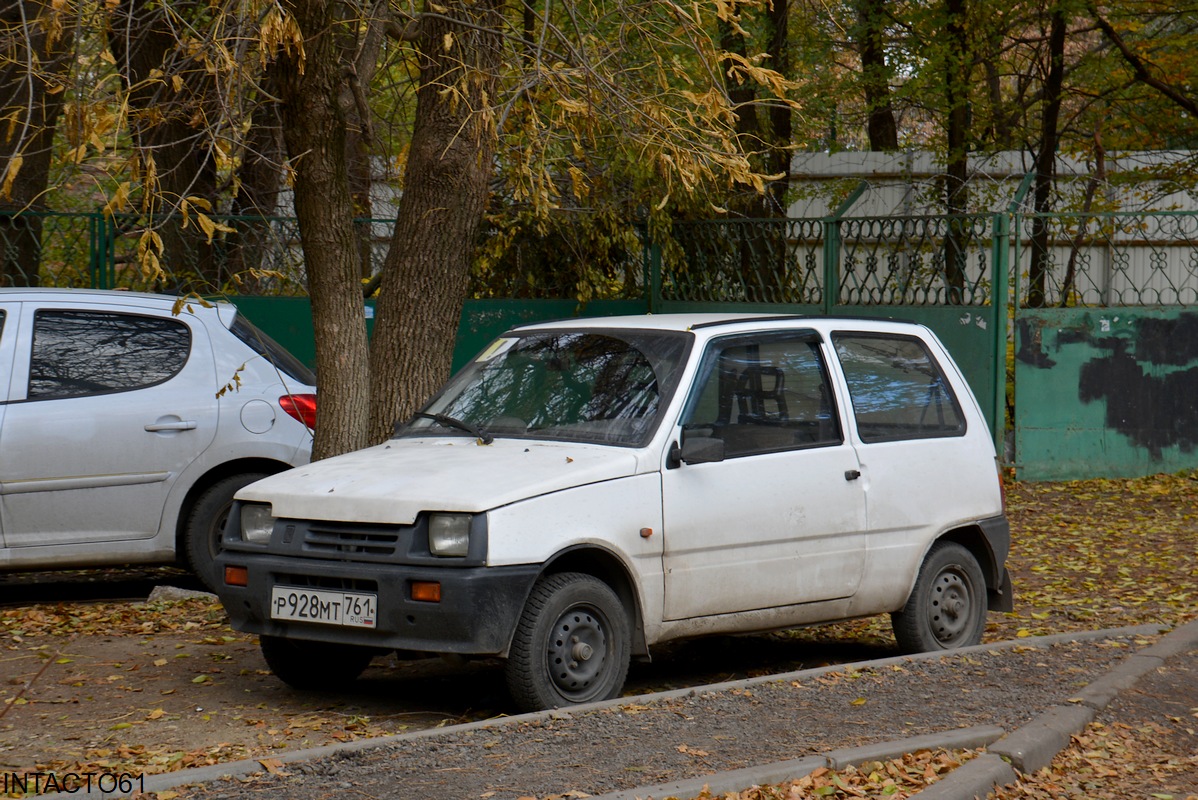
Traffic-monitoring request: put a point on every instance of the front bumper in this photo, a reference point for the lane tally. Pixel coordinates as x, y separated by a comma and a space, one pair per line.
477, 614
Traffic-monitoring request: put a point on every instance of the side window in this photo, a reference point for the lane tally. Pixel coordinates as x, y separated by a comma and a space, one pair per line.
764, 394
897, 388
91, 352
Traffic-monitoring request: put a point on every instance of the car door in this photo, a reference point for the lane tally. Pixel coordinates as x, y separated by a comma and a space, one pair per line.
912, 443
108, 405
6, 357
779, 519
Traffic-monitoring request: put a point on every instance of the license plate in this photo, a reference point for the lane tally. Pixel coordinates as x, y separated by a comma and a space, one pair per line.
319, 605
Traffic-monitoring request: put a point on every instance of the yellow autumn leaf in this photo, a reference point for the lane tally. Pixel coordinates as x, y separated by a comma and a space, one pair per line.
10, 175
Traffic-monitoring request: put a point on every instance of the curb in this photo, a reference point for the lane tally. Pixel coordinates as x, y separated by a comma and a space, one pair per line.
781, 771
1036, 744
1025, 750
961, 782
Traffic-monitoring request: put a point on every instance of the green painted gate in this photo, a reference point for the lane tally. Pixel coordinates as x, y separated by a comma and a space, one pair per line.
1106, 373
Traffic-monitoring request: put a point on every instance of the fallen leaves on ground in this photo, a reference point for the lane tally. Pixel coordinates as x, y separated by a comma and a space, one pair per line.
111, 619
1085, 555
896, 779
1107, 761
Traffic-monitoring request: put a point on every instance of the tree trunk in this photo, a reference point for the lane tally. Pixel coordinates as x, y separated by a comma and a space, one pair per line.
1046, 159
957, 172
359, 134
875, 75
445, 193
781, 115
314, 129
26, 145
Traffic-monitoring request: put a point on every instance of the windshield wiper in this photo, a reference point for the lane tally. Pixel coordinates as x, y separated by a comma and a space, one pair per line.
454, 422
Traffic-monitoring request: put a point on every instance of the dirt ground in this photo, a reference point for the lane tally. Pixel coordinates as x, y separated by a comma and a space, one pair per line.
191, 693
103, 681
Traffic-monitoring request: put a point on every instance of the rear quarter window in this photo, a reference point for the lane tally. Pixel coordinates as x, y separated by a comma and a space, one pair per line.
258, 341
78, 353
898, 390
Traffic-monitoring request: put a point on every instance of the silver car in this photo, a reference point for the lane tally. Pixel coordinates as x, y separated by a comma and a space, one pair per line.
128, 422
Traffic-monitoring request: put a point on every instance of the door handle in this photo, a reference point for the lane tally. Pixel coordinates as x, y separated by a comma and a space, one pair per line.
852, 474
181, 425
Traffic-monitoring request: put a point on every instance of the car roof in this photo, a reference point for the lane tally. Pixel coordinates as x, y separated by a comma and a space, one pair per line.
118, 296
721, 321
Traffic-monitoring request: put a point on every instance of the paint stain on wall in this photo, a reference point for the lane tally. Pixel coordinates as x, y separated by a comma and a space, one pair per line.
1154, 408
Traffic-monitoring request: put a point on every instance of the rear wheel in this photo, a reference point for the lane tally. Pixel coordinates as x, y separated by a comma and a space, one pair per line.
302, 664
572, 644
947, 607
206, 525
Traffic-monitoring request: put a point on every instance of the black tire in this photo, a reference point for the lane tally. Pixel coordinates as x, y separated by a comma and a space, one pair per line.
572, 644
306, 665
947, 607
206, 525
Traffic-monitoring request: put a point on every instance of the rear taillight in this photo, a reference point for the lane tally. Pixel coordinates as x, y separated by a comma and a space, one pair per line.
1002, 487
300, 406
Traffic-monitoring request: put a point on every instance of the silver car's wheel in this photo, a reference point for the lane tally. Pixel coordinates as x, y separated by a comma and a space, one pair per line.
947, 607
206, 525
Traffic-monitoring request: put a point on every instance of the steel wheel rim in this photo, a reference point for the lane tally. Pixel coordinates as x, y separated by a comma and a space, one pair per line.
577, 654
216, 531
950, 606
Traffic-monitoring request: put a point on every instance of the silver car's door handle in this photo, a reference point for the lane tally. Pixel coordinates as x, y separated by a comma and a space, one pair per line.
181, 425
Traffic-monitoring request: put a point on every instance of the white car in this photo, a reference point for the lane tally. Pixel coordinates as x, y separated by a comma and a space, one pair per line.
585, 490
128, 422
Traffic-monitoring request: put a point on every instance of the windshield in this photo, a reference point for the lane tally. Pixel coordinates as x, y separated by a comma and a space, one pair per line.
583, 386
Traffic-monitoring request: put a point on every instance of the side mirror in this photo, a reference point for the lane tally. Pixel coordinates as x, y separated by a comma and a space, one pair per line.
701, 450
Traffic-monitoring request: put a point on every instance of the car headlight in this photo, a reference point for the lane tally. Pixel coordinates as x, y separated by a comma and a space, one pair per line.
449, 534
256, 523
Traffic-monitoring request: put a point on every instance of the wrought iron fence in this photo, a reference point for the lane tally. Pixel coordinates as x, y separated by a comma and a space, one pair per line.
1109, 259
746, 261
916, 261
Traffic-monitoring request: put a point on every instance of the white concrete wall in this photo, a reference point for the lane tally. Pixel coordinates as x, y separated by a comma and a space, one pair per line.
907, 183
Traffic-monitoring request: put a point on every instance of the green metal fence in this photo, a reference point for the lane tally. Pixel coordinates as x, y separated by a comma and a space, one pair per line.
940, 270
1106, 363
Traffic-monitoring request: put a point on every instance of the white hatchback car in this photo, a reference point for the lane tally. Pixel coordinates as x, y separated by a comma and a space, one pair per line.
585, 490
128, 422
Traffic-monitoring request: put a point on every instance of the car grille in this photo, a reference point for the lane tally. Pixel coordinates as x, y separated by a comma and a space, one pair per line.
353, 542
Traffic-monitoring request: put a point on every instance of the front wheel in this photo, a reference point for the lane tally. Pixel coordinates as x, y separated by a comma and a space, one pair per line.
206, 525
947, 607
302, 664
572, 644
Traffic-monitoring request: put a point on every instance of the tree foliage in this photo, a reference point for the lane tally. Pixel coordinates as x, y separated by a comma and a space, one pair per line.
535, 141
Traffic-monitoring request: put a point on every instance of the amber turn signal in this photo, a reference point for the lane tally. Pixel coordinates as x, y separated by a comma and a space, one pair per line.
237, 576
426, 591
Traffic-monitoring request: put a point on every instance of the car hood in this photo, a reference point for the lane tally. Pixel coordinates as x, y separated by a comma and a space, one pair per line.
395, 481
